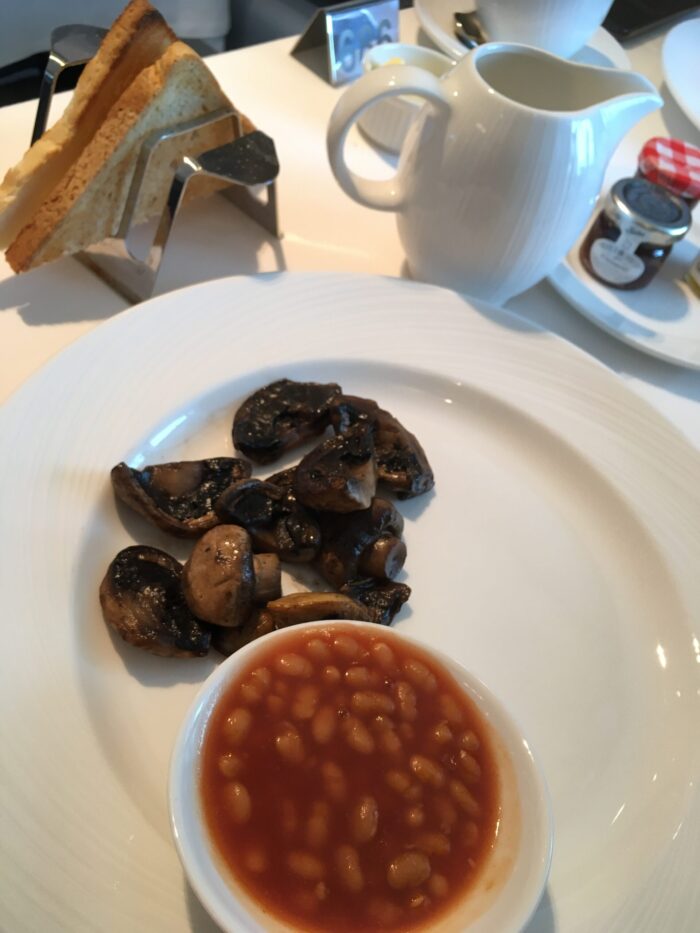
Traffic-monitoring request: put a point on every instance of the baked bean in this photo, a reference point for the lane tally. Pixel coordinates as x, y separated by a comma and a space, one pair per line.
237, 725
275, 704
257, 685
383, 912
433, 843
318, 651
420, 675
437, 885
384, 656
406, 700
417, 900
256, 860
230, 765
306, 866
364, 819
331, 675
442, 733
318, 825
334, 781
469, 741
408, 870
289, 744
406, 731
347, 863
464, 798
398, 781
289, 817
282, 687
294, 665
414, 817
470, 834
469, 766
360, 677
304, 705
427, 771
357, 735
321, 891
450, 709
237, 802
369, 702
323, 724
445, 812
389, 742
347, 647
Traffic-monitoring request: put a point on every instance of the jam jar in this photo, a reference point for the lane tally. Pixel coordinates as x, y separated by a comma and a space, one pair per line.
673, 164
633, 233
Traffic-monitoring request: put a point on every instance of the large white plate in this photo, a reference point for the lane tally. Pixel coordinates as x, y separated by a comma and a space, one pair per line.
681, 63
436, 19
558, 560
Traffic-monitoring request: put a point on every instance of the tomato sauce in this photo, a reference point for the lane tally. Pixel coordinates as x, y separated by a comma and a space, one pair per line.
348, 784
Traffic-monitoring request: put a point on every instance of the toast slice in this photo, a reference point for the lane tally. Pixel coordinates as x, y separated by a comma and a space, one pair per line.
136, 40
88, 202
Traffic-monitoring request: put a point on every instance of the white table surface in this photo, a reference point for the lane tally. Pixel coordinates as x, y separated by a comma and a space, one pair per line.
44, 310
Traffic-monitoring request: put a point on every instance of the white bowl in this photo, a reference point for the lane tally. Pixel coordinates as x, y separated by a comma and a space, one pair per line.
386, 123
507, 890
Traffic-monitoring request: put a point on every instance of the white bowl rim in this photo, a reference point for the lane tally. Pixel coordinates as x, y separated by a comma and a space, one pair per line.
206, 878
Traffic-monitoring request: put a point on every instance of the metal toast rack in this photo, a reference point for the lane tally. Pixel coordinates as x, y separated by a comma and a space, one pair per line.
247, 166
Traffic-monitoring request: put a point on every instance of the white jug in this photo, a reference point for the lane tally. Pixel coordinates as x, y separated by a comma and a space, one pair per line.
501, 169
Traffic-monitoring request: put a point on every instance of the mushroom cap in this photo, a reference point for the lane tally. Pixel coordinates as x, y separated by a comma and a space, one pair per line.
281, 416
142, 599
178, 497
340, 474
383, 598
402, 464
346, 537
274, 519
218, 579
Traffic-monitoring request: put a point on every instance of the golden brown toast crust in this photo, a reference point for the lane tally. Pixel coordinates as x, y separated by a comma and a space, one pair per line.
138, 37
87, 204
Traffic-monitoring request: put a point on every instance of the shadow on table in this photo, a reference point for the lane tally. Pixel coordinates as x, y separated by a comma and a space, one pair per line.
212, 240
59, 293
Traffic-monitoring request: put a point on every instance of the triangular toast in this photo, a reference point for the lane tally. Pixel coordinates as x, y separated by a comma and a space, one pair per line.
136, 40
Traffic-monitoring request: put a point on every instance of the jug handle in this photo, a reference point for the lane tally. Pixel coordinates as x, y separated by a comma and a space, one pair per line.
377, 85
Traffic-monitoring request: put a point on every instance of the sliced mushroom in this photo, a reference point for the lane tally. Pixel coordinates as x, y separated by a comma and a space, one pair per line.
362, 544
222, 580
228, 640
274, 519
340, 474
312, 607
401, 461
383, 598
281, 416
142, 599
178, 497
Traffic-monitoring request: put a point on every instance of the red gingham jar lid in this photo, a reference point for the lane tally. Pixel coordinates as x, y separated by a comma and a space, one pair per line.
673, 164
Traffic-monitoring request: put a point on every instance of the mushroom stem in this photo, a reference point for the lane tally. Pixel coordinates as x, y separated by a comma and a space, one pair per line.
268, 583
384, 558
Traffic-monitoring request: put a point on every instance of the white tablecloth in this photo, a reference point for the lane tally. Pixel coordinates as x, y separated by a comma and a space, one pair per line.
44, 310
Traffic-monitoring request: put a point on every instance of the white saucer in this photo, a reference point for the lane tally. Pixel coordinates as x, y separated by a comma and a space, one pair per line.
681, 64
436, 19
662, 319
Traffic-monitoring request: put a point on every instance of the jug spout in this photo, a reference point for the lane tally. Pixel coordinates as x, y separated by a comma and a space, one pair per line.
631, 97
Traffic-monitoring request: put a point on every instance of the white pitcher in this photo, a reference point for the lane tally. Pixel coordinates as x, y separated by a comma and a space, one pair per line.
500, 172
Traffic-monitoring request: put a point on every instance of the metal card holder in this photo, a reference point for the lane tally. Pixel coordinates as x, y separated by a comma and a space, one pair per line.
246, 166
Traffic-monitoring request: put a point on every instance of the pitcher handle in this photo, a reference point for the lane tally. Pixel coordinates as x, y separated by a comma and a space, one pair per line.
376, 85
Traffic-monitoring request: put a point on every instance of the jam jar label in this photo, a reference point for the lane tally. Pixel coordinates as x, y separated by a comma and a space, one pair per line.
615, 260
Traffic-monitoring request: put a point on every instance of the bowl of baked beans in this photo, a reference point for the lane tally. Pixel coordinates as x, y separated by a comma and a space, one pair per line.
342, 776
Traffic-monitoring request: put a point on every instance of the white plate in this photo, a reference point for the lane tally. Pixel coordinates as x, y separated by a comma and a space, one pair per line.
557, 560
436, 19
681, 64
